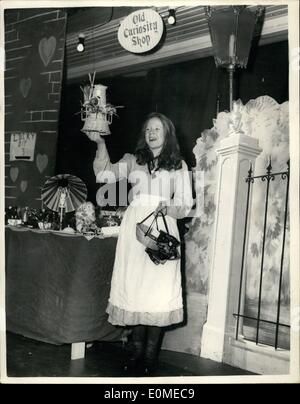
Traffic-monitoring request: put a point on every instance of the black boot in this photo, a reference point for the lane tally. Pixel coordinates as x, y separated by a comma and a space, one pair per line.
137, 347
154, 338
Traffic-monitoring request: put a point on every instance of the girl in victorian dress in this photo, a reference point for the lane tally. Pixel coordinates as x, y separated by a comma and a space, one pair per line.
145, 295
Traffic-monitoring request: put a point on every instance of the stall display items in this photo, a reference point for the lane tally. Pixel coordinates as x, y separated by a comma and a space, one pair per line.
63, 194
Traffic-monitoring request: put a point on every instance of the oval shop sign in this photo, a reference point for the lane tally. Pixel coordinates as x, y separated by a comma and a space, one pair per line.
141, 31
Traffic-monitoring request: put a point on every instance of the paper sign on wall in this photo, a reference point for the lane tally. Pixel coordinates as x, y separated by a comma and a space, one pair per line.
22, 145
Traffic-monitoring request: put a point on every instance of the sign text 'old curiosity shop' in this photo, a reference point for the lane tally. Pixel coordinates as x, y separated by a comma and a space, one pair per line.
141, 31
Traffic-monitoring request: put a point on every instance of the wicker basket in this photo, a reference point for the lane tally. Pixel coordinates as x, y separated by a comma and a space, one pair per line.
144, 236
161, 248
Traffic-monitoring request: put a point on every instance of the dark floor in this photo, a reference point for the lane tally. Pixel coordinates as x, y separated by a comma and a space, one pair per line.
30, 358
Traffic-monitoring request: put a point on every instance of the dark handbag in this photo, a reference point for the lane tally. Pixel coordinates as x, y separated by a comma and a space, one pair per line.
162, 248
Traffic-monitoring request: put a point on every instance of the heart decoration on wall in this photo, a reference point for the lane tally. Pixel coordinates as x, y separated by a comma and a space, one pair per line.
25, 86
41, 162
47, 49
14, 172
23, 185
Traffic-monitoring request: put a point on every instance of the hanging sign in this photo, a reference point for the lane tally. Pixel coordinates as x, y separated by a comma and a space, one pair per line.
22, 146
141, 31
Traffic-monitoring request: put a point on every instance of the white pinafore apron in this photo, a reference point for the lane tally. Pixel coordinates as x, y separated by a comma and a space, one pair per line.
141, 291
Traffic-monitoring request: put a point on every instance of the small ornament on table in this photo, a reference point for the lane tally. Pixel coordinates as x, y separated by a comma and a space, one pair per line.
85, 217
63, 195
13, 217
33, 218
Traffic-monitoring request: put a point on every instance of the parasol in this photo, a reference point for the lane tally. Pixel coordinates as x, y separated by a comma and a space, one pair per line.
64, 193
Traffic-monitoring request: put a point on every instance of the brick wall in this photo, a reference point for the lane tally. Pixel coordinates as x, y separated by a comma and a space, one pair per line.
34, 50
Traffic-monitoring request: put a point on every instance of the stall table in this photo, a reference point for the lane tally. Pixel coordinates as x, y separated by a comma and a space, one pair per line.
57, 287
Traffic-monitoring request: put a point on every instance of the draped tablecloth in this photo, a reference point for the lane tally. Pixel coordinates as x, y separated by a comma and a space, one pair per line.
57, 286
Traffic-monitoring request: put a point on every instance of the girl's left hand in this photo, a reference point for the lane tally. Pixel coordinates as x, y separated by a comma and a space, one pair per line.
162, 207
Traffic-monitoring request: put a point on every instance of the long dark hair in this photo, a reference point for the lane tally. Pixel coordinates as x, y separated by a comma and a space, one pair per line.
170, 157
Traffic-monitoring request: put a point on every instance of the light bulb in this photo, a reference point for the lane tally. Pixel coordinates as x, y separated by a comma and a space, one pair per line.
80, 47
171, 18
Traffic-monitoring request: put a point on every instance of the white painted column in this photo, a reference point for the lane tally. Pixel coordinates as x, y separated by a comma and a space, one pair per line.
234, 156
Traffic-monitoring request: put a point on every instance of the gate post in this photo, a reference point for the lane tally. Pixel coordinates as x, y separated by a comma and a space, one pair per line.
234, 156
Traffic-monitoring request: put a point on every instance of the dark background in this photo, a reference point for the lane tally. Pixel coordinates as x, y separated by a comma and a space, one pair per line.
186, 92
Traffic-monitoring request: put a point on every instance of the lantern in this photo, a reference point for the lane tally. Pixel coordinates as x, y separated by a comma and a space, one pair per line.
231, 30
96, 114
